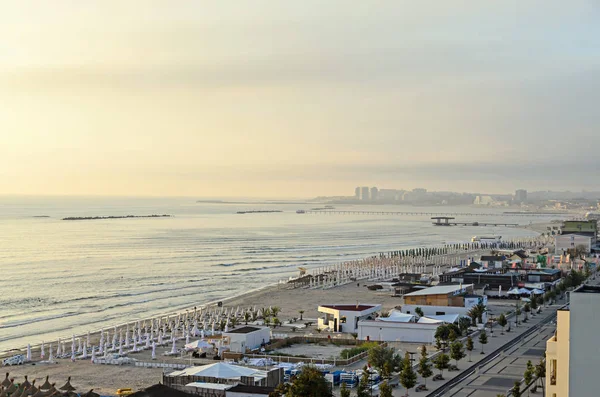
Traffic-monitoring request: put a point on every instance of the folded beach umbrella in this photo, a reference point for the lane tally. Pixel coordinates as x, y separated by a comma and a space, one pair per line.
50, 355
85, 347
58, 348
93, 354
154, 350
42, 351
174, 348
28, 352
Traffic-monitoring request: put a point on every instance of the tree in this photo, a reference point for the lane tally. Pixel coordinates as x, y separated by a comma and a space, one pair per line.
275, 310
408, 377
483, 339
363, 384
477, 312
441, 362
276, 322
502, 322
419, 312
247, 317
457, 351
469, 346
534, 304
528, 377
301, 313
384, 390
540, 372
464, 324
446, 331
526, 309
424, 368
379, 355
516, 390
309, 383
517, 313
344, 392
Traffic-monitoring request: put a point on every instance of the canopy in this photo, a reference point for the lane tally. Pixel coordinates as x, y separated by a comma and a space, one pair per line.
538, 291
217, 370
397, 316
446, 318
524, 291
514, 291
199, 344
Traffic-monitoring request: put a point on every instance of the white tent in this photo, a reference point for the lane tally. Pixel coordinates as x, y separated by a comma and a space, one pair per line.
199, 344
538, 292
514, 291
427, 320
445, 318
397, 316
217, 370
524, 291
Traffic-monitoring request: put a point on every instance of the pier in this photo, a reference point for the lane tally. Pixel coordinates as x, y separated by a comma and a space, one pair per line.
422, 213
446, 221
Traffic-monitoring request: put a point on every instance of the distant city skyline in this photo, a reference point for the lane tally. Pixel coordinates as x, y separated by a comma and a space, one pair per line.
297, 99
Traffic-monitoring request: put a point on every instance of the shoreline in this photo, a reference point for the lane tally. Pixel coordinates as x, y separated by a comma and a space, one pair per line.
255, 294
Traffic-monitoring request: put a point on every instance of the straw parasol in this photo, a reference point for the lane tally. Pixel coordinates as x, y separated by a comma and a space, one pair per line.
67, 386
46, 385
6, 382
90, 394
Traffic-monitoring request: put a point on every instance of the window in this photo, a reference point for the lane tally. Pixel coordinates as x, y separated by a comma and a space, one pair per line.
553, 372
440, 313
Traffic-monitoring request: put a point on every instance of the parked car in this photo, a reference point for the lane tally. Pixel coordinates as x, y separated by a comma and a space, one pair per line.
14, 360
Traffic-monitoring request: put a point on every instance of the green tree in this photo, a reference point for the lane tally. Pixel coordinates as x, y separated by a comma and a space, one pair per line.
309, 383
457, 351
275, 310
477, 312
526, 309
408, 377
517, 313
516, 390
247, 317
379, 355
464, 324
502, 322
424, 368
483, 339
469, 346
441, 362
301, 313
534, 304
362, 390
419, 312
528, 377
540, 372
384, 390
344, 391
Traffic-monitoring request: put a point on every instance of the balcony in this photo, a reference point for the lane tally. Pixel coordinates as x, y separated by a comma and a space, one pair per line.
552, 348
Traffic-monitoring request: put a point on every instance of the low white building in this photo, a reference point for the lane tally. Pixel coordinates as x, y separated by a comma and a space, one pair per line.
441, 310
345, 318
247, 338
391, 331
565, 242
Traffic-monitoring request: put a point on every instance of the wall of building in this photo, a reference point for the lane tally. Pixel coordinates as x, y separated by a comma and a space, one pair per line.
402, 332
584, 351
432, 300
557, 358
565, 242
437, 310
253, 340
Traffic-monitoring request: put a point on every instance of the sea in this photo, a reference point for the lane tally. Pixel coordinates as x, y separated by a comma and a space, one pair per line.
59, 278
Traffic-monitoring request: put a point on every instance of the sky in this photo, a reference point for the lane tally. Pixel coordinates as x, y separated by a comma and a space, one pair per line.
297, 98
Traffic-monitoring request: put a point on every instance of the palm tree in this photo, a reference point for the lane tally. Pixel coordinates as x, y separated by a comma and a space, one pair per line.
275, 310
301, 313
247, 317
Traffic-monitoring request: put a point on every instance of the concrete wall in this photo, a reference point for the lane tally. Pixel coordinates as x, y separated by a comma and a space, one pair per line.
584, 351
567, 241
240, 342
388, 331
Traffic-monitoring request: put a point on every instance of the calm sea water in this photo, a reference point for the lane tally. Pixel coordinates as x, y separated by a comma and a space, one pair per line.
62, 277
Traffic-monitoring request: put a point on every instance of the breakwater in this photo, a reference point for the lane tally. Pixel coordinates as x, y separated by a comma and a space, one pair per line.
92, 218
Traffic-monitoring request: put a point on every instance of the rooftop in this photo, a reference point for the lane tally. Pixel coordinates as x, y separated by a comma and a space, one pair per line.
439, 290
593, 289
244, 330
350, 308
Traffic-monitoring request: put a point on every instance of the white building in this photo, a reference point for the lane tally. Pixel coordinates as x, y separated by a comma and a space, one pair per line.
564, 242
390, 331
247, 338
345, 318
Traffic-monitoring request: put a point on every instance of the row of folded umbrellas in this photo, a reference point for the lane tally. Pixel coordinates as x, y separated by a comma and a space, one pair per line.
11, 388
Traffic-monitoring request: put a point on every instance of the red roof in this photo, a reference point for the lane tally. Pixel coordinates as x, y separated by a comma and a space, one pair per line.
349, 308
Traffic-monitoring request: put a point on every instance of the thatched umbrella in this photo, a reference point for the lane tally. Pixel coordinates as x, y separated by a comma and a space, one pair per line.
26, 384
6, 382
46, 385
67, 386
90, 394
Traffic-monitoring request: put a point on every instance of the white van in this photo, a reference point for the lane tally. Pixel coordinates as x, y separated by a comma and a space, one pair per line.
14, 360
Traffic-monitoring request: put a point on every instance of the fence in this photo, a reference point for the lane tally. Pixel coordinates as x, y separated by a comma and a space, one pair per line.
106, 361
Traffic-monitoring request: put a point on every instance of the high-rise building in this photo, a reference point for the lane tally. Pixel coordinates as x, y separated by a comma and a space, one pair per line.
364, 193
520, 196
571, 359
357, 193
374, 193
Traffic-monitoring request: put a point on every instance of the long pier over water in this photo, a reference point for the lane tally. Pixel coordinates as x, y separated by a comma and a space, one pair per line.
425, 213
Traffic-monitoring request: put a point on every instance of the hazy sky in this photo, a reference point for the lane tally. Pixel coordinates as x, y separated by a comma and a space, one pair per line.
297, 98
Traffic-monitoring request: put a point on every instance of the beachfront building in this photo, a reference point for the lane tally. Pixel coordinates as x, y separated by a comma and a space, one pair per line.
345, 318
247, 338
443, 300
493, 261
402, 327
565, 242
571, 357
